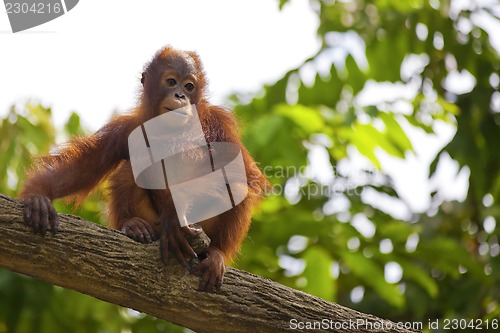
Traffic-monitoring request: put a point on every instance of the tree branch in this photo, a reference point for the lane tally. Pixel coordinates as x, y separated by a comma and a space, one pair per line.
103, 263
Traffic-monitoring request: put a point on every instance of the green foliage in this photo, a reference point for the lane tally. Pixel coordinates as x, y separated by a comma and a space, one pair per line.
449, 262
29, 305
23, 133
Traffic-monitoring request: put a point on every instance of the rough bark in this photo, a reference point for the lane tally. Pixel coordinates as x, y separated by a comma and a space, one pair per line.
105, 264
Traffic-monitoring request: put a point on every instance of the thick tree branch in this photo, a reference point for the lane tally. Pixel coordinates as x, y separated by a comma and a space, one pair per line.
103, 263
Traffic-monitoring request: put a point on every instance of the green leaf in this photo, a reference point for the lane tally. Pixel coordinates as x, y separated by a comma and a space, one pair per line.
356, 78
373, 275
412, 271
264, 130
368, 132
309, 119
446, 254
73, 126
386, 54
325, 90
282, 3
317, 272
366, 138
395, 133
395, 230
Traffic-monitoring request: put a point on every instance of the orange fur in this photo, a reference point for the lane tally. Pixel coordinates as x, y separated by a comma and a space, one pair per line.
82, 163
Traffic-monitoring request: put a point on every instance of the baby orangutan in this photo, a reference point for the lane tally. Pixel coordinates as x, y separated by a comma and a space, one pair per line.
172, 79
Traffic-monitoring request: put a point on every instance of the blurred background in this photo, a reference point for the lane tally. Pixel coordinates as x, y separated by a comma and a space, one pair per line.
376, 121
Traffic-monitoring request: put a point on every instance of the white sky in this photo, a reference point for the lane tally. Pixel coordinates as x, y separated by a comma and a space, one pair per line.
90, 60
